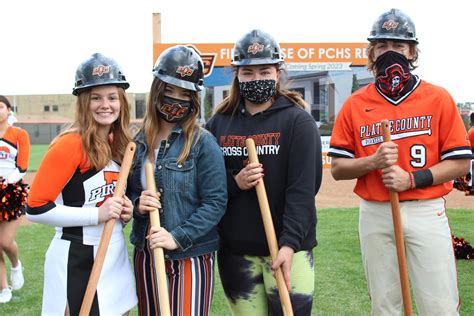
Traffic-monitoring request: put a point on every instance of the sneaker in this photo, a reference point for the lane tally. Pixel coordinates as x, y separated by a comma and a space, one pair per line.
6, 295
17, 276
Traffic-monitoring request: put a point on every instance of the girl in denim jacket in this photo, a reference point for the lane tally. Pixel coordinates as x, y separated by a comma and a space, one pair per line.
191, 189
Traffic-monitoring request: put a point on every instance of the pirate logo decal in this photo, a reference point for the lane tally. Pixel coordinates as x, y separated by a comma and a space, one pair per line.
185, 71
100, 70
390, 25
255, 48
174, 110
393, 81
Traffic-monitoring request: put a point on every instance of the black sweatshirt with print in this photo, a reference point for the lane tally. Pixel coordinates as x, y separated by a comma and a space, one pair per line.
289, 148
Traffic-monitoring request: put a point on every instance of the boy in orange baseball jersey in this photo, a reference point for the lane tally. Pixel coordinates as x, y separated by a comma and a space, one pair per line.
429, 148
14, 154
73, 191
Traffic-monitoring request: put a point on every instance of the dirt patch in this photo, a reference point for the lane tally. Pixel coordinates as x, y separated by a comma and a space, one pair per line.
339, 194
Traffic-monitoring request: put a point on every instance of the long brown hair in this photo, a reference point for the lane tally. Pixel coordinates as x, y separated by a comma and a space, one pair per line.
371, 57
100, 152
151, 122
230, 103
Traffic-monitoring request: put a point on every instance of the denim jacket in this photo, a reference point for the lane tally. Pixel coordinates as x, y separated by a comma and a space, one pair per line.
193, 194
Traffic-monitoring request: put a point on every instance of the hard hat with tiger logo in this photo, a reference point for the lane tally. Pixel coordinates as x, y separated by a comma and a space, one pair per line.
180, 66
256, 48
393, 25
99, 70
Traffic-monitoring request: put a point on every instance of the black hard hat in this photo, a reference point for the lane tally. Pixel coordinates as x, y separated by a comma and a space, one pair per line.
98, 70
180, 66
256, 48
393, 25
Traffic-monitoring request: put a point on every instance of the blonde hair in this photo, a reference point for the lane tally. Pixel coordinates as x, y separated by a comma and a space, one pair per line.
230, 103
151, 122
99, 152
371, 56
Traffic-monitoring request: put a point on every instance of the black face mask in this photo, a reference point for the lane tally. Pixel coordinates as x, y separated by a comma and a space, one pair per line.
174, 110
258, 91
393, 74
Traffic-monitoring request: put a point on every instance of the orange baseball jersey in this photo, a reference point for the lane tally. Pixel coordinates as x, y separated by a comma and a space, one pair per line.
14, 151
426, 126
67, 192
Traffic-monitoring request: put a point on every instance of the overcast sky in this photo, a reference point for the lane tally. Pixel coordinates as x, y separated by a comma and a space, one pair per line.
43, 41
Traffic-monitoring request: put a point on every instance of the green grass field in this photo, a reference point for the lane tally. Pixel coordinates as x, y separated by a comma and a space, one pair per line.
340, 284
36, 155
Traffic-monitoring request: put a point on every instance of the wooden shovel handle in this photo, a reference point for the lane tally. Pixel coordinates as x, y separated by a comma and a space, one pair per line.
270, 231
158, 253
399, 240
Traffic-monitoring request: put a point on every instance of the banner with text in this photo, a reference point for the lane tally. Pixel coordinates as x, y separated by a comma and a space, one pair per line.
325, 140
298, 56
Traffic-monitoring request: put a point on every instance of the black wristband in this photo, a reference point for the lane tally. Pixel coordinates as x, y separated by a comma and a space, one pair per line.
423, 178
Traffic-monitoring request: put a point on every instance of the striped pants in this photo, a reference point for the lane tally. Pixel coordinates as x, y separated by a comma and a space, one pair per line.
190, 284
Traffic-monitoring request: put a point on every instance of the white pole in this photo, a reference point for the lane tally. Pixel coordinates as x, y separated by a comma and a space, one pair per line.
202, 118
14, 103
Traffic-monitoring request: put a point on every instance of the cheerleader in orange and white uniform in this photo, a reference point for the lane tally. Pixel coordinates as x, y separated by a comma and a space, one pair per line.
73, 191
14, 154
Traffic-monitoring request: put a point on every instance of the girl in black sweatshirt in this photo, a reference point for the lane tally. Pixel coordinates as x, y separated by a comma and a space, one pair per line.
289, 149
